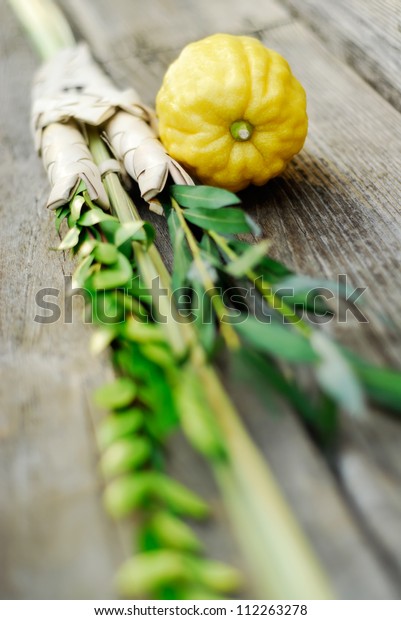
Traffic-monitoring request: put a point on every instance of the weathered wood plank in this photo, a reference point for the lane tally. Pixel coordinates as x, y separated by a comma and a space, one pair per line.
150, 27
365, 34
336, 211
52, 527
139, 45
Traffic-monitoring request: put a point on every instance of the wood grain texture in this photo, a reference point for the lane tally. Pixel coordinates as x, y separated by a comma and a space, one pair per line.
138, 41
52, 526
366, 35
336, 210
151, 27
56, 541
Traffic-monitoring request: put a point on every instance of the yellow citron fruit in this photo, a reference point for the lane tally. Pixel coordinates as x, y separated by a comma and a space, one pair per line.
231, 111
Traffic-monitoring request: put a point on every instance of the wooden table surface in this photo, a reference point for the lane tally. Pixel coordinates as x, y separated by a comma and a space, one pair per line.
335, 211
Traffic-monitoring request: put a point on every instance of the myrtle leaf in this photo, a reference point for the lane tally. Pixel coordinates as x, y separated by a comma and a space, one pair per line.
118, 425
120, 393
142, 575
113, 277
94, 216
81, 272
71, 239
126, 231
106, 253
102, 338
125, 455
178, 497
76, 206
62, 213
126, 493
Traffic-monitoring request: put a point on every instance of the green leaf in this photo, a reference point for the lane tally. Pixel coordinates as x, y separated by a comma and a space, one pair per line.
159, 354
178, 497
228, 220
203, 196
273, 270
71, 239
106, 306
197, 421
203, 311
80, 189
102, 338
211, 260
182, 260
94, 216
135, 231
81, 272
76, 205
114, 277
106, 253
336, 376
62, 213
253, 226
209, 246
119, 425
276, 339
147, 234
248, 260
142, 332
59, 210
109, 228
173, 224
145, 573
154, 389
174, 533
117, 394
382, 385
216, 575
164, 419
269, 268
125, 455
126, 231
139, 231
86, 246
126, 493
